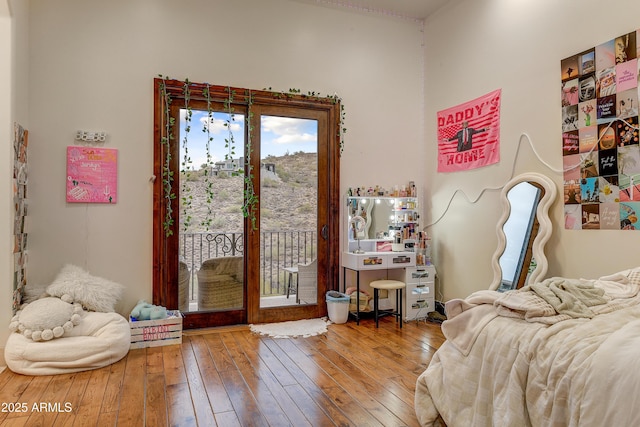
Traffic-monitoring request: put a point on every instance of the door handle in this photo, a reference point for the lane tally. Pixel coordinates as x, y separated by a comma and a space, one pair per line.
325, 232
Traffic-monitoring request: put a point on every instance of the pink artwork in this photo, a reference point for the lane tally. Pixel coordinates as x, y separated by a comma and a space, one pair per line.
92, 175
627, 75
469, 134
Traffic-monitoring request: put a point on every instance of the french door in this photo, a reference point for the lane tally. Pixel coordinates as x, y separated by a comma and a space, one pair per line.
253, 208
288, 250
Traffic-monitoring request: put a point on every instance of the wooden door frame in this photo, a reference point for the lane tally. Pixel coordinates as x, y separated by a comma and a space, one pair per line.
166, 237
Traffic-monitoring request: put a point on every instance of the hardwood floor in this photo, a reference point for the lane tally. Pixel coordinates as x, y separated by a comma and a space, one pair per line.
350, 376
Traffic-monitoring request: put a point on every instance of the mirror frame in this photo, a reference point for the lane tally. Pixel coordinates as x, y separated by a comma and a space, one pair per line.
538, 237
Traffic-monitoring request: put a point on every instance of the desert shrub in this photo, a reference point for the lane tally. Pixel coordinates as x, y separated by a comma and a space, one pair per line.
284, 175
233, 209
191, 176
306, 208
222, 195
269, 183
218, 223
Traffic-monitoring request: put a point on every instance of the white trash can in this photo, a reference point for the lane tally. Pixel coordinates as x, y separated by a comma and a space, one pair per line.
338, 306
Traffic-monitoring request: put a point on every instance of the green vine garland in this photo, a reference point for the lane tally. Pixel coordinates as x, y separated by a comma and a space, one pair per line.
229, 141
167, 173
207, 221
186, 195
250, 198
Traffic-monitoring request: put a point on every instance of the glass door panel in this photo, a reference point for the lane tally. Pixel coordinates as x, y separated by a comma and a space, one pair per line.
211, 265
288, 211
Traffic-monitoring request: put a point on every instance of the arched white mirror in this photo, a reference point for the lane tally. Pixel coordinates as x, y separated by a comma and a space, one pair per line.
523, 230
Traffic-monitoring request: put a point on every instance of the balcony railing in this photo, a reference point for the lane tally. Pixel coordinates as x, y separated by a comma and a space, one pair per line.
278, 250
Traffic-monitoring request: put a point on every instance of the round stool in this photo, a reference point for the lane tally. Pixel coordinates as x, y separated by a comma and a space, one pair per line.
388, 285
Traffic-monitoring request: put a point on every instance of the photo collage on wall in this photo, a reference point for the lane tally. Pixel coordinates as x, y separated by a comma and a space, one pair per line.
601, 154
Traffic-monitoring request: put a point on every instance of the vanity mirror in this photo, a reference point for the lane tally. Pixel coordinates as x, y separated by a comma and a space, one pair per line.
383, 216
361, 208
523, 230
357, 224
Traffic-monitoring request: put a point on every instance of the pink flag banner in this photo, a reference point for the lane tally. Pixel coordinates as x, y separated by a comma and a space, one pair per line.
469, 134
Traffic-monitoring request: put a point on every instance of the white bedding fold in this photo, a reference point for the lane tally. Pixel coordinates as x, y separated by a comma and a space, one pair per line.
569, 296
466, 318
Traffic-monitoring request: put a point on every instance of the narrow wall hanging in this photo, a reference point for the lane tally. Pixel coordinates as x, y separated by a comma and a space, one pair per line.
20, 144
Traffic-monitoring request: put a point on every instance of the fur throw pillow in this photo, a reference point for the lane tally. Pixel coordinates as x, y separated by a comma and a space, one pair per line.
46, 318
94, 293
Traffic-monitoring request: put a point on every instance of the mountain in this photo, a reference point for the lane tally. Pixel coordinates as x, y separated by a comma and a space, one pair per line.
287, 197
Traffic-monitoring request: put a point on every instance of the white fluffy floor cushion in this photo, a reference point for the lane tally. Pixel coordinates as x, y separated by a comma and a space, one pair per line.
98, 340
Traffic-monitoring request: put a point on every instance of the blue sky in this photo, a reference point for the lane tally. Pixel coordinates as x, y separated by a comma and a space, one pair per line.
280, 135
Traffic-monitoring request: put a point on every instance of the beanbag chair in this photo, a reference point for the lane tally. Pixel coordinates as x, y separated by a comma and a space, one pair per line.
99, 339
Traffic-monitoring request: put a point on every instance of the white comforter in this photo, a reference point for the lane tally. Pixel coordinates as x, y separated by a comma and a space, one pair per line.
499, 367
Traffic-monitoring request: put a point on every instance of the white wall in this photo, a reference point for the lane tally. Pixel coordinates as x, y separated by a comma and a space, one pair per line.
6, 261
13, 108
474, 47
92, 64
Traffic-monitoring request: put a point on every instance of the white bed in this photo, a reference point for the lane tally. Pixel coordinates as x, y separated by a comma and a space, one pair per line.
511, 361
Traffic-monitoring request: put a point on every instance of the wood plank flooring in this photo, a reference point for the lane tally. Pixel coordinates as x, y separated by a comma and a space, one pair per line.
351, 376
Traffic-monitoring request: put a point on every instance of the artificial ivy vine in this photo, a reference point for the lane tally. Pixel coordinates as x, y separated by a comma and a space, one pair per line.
167, 172
341, 129
186, 196
250, 198
229, 142
206, 222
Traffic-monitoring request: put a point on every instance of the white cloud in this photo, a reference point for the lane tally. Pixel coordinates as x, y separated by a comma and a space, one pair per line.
292, 139
217, 126
288, 130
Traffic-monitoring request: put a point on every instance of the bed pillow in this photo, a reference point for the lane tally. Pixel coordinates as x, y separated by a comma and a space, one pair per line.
46, 319
94, 293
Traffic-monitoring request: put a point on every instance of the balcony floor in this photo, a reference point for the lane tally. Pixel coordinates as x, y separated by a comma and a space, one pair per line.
265, 302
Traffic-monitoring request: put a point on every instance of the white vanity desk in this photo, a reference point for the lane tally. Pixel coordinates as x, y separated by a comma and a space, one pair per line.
373, 261
381, 219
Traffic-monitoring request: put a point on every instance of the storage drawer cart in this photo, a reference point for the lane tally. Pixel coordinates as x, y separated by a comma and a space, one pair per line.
420, 292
